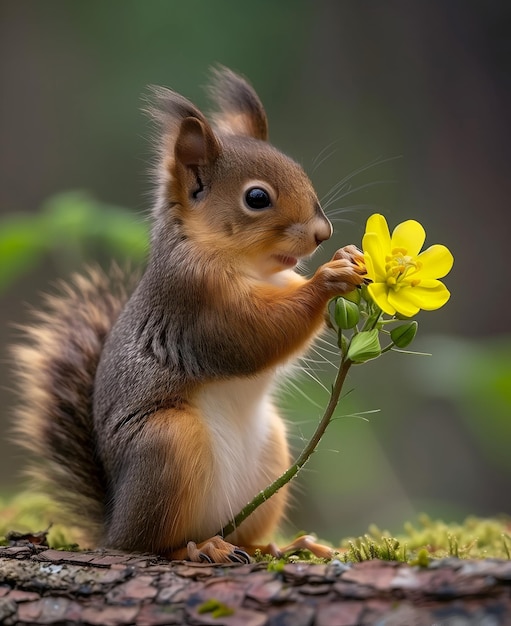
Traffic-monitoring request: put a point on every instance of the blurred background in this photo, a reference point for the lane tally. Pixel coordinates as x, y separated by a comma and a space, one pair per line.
403, 105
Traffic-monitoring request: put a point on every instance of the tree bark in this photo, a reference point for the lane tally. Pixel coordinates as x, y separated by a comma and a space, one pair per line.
44, 586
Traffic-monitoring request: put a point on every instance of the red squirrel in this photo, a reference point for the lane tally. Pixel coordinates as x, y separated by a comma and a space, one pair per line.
149, 406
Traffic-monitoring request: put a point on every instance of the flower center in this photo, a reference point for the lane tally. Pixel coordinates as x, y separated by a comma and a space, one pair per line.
400, 268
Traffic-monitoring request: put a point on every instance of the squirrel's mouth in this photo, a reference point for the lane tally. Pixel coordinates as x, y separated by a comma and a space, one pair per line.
285, 260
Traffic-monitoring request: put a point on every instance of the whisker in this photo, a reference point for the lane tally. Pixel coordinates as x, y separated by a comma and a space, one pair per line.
347, 189
343, 194
328, 343
341, 220
309, 359
359, 170
306, 367
325, 360
316, 363
303, 394
327, 156
320, 158
367, 166
329, 352
316, 380
351, 208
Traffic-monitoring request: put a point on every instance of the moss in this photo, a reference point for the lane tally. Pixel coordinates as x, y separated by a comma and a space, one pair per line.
30, 512
216, 608
475, 538
366, 547
418, 543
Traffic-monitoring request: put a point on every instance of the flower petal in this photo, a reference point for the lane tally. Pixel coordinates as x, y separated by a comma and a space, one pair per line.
379, 293
436, 262
378, 224
370, 271
402, 303
429, 295
374, 255
409, 235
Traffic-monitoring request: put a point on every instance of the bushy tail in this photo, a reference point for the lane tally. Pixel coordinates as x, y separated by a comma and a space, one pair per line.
55, 367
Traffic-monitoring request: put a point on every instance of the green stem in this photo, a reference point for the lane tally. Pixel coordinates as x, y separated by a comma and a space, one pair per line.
388, 348
292, 471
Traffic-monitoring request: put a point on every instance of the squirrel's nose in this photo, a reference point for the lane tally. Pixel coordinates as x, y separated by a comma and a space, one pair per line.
323, 230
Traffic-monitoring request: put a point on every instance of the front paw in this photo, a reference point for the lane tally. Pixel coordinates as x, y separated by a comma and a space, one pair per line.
350, 253
216, 550
343, 273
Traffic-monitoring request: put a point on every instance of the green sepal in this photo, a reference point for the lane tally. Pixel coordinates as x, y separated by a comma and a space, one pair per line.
364, 346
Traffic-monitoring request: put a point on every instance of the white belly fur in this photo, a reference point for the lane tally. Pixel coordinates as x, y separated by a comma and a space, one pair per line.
239, 413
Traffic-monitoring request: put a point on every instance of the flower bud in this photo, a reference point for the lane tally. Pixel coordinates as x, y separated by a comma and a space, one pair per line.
353, 296
346, 313
404, 334
364, 346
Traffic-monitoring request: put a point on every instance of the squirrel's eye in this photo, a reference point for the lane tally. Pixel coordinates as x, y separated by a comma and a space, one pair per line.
257, 199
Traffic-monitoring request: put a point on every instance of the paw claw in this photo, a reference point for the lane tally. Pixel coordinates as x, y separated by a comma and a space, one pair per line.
239, 556
216, 550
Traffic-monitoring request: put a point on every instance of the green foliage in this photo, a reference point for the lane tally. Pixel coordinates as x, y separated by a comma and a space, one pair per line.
71, 225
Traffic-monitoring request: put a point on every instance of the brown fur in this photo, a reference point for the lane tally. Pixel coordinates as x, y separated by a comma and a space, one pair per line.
55, 366
153, 413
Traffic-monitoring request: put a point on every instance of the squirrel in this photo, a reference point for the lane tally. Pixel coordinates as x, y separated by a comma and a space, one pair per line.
148, 404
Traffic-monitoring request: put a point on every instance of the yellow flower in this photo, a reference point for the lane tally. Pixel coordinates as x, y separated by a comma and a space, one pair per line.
404, 280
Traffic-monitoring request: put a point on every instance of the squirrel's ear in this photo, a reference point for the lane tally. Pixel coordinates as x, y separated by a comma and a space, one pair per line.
240, 110
170, 110
196, 143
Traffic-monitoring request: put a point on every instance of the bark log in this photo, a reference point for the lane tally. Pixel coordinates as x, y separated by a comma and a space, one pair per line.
44, 586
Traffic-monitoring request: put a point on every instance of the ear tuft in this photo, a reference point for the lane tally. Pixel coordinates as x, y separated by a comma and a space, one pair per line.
196, 143
240, 109
168, 108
